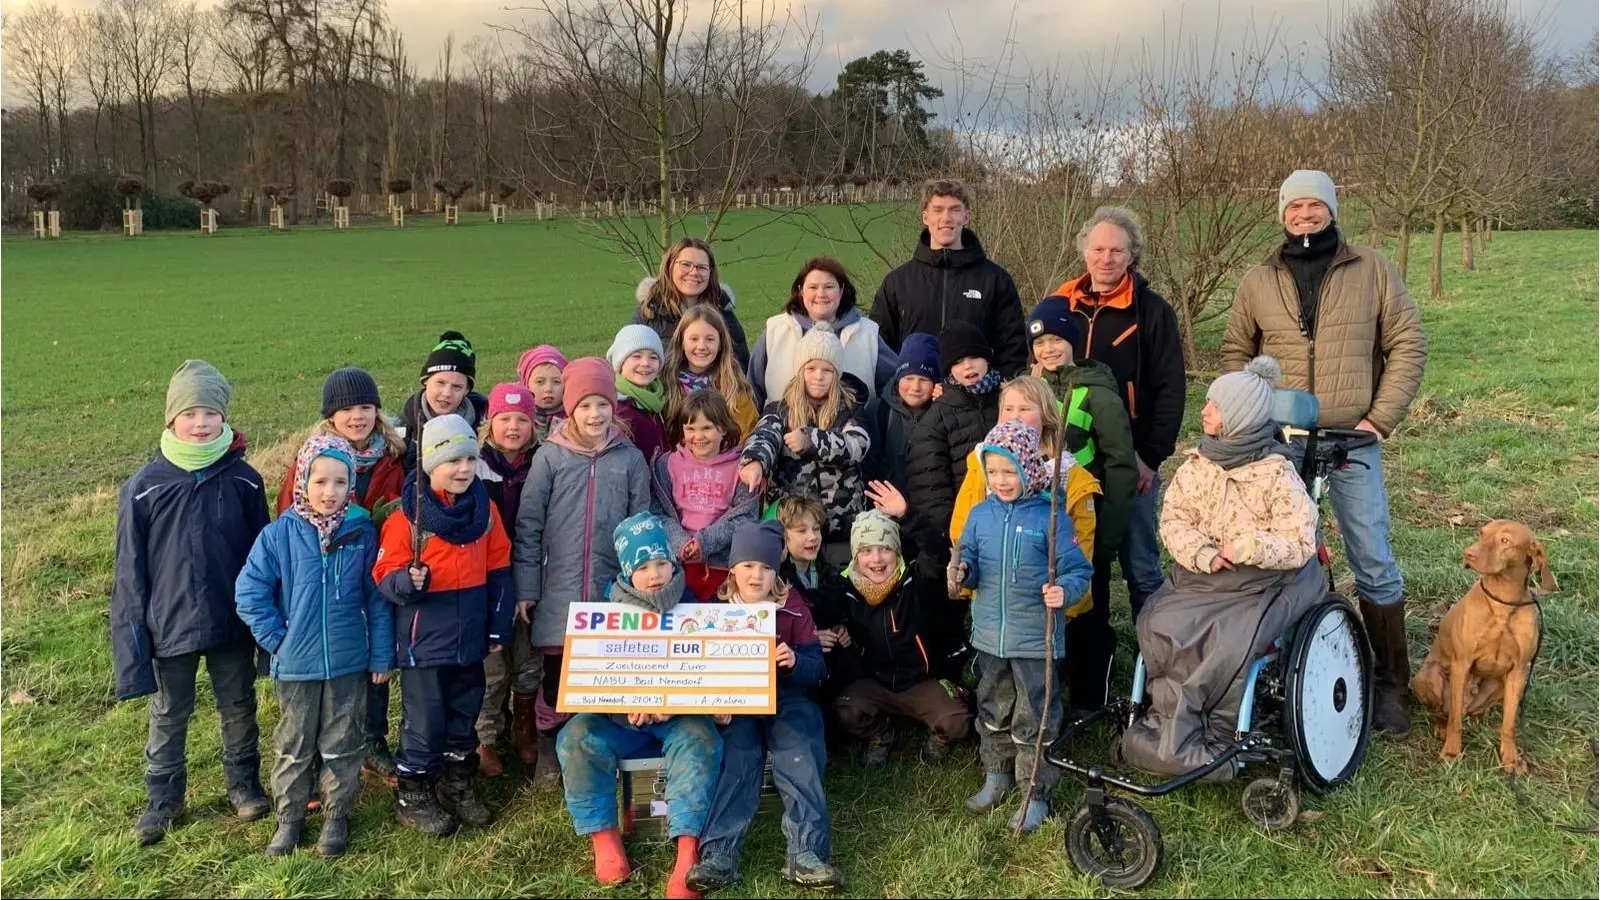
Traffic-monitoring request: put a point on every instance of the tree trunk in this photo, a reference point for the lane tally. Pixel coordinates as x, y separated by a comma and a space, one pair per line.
1436, 270
1466, 245
1488, 232
1402, 251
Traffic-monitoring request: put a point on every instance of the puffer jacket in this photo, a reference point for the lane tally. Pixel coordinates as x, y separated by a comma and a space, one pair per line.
892, 424
1365, 356
895, 654
181, 539
317, 612
937, 460
1005, 548
866, 356
504, 482
1261, 510
572, 501
664, 325
829, 469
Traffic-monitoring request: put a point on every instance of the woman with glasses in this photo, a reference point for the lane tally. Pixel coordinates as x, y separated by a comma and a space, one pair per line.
688, 276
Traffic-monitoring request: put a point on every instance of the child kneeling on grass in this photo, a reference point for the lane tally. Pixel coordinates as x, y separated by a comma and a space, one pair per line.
307, 594
592, 746
455, 605
793, 736
1003, 553
185, 524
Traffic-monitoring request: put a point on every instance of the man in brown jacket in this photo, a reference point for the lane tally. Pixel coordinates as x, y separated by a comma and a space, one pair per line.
1343, 326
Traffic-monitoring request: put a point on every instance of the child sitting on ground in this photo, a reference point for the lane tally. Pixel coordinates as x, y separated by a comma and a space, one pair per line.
539, 369
696, 488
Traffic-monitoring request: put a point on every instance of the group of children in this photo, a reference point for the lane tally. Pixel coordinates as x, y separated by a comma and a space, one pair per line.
450, 547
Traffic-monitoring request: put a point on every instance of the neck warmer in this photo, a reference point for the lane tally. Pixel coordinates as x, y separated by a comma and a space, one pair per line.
463, 521
623, 592
376, 447
1243, 448
986, 385
1309, 258
651, 398
692, 382
875, 594
192, 457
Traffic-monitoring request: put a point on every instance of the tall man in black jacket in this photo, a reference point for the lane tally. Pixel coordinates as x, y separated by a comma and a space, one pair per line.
950, 278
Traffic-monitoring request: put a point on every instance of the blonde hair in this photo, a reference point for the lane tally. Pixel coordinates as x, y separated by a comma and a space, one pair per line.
1052, 430
726, 377
393, 444
800, 413
486, 438
779, 593
570, 427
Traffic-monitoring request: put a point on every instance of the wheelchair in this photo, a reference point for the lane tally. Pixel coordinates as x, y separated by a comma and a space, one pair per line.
1305, 712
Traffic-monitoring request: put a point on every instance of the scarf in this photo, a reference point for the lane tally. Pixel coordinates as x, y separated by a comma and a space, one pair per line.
463, 521
875, 594
192, 457
376, 447
692, 382
1308, 258
543, 422
1244, 448
985, 386
623, 592
326, 524
651, 398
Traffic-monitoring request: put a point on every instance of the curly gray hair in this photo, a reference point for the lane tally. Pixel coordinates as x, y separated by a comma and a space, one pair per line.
1123, 218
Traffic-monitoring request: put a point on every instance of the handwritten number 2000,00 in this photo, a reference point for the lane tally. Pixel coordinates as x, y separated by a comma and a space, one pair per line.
736, 648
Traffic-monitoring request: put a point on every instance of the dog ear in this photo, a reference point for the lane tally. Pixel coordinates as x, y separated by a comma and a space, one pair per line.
1540, 565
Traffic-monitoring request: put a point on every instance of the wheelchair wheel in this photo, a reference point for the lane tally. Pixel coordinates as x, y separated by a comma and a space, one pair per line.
1120, 843
1328, 695
1271, 804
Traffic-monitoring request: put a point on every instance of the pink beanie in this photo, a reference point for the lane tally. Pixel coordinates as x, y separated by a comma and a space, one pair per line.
586, 376
544, 354
510, 397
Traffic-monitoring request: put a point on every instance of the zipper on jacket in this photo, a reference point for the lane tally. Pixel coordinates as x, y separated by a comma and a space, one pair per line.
588, 527
411, 650
944, 299
1005, 549
327, 665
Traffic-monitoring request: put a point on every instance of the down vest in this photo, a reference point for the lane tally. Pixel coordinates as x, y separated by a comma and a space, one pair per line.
1365, 356
937, 460
318, 614
571, 503
1005, 547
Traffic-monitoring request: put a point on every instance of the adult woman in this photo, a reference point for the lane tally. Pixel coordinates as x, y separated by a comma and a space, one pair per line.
688, 276
821, 292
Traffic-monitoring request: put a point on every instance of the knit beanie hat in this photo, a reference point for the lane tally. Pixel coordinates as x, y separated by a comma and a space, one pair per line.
197, 383
1054, 316
1307, 183
919, 355
630, 340
533, 358
760, 542
589, 375
960, 340
511, 397
348, 387
819, 343
874, 528
1245, 397
446, 438
453, 353
1019, 443
639, 539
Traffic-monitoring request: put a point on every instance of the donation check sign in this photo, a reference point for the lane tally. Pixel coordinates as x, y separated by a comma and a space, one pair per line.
697, 658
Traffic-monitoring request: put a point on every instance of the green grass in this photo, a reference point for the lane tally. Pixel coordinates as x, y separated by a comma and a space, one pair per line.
1505, 426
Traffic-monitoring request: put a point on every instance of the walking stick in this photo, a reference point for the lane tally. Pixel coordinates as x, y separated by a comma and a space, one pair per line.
1049, 643
416, 520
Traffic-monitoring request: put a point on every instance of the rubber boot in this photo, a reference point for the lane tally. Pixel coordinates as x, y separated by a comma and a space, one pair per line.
458, 793
525, 728
286, 837
164, 807
380, 761
610, 857
876, 754
1031, 815
416, 808
1391, 694
547, 769
245, 794
489, 764
678, 884
996, 785
334, 837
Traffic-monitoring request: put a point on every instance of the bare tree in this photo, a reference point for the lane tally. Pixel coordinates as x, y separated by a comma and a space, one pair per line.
143, 40
41, 58
195, 71
101, 76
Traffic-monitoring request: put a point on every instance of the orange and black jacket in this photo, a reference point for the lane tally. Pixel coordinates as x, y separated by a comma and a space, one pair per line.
895, 651
1133, 330
467, 601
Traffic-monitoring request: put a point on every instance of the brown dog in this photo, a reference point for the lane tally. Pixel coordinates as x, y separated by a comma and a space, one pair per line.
1487, 641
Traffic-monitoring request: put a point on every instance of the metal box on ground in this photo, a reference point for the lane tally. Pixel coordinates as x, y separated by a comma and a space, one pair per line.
642, 787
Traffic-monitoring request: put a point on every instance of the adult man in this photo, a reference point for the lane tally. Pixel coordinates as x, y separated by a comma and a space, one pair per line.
949, 278
1339, 320
1133, 330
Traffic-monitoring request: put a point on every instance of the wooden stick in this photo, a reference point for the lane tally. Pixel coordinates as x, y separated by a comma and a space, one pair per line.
1049, 641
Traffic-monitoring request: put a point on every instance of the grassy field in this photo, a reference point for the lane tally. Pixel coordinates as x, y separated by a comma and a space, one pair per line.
1505, 426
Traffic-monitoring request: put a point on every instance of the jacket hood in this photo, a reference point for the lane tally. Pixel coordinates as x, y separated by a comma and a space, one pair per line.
970, 254
642, 292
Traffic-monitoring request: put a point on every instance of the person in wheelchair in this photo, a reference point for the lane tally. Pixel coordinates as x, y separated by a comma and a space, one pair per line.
1242, 531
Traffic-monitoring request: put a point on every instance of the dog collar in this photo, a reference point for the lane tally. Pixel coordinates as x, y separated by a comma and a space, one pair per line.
1533, 599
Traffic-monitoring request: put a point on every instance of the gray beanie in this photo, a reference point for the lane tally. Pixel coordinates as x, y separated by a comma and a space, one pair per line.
446, 438
197, 383
630, 340
1304, 183
1245, 397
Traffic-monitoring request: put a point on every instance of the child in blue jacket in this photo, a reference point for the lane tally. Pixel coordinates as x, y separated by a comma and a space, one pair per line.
308, 596
1002, 554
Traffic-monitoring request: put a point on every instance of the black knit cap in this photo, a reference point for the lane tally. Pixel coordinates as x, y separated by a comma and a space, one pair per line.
348, 387
960, 340
453, 353
1054, 316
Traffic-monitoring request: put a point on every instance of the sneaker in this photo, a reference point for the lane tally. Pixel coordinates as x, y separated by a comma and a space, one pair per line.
876, 755
808, 870
713, 873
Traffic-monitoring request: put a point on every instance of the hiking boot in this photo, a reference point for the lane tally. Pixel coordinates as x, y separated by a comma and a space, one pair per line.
934, 750
379, 761
876, 755
1030, 816
489, 764
286, 837
713, 873
458, 793
416, 808
547, 769
163, 809
996, 785
245, 794
808, 870
525, 727
335, 835
1391, 669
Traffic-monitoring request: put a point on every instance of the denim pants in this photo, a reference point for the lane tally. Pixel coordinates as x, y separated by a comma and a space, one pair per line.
1362, 506
233, 673
1010, 714
1141, 548
319, 726
794, 737
440, 707
592, 746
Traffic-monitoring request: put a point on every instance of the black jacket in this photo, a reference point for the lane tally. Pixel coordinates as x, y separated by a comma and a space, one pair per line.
892, 424
937, 461
411, 420
1142, 346
182, 538
664, 323
937, 286
896, 649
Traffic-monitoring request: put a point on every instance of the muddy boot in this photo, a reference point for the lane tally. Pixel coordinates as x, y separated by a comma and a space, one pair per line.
489, 764
1391, 693
525, 727
416, 808
547, 769
245, 794
335, 835
286, 837
458, 793
164, 808
379, 761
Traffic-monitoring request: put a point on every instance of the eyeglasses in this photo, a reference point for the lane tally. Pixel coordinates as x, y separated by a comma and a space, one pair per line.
686, 267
